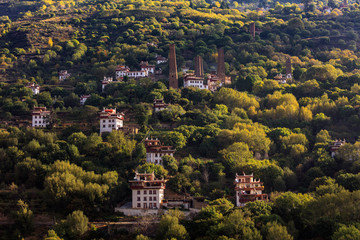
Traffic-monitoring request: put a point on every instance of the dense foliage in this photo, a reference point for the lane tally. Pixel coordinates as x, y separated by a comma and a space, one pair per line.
279, 132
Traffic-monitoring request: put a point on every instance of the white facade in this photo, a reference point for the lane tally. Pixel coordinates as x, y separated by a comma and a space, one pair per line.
63, 75
40, 117
123, 71
149, 69
83, 99
197, 83
110, 120
161, 59
105, 82
147, 198
156, 158
34, 88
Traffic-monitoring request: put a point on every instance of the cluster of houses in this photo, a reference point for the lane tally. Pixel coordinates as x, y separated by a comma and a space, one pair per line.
148, 192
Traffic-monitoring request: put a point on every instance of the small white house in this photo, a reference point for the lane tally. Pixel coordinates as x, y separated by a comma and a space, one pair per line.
110, 120
40, 117
63, 75
147, 192
197, 82
35, 88
83, 99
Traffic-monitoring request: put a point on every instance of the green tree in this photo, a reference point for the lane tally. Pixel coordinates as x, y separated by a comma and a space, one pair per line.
23, 218
275, 231
346, 233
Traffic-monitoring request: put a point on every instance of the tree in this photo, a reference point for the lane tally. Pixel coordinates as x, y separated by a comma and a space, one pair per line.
170, 164
169, 228
275, 231
23, 218
346, 233
44, 98
74, 226
51, 235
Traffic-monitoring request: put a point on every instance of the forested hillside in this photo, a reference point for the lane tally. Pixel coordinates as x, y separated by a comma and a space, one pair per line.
282, 131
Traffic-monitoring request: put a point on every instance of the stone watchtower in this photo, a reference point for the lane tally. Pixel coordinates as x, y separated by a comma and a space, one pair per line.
173, 75
221, 65
252, 29
199, 66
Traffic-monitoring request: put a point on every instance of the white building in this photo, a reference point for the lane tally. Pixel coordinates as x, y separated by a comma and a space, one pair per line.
159, 105
160, 59
35, 88
63, 75
147, 192
155, 151
105, 82
83, 99
248, 190
145, 66
110, 120
122, 71
193, 81
40, 117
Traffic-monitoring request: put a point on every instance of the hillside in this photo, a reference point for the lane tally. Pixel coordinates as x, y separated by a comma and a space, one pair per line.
260, 90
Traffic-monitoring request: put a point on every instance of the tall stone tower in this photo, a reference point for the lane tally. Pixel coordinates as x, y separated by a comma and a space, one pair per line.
252, 29
199, 66
221, 65
288, 68
173, 74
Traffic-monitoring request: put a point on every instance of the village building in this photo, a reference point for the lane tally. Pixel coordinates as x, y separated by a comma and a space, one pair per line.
160, 59
83, 99
194, 81
155, 151
63, 75
35, 88
40, 117
110, 120
145, 66
159, 105
335, 145
105, 82
248, 189
147, 191
122, 71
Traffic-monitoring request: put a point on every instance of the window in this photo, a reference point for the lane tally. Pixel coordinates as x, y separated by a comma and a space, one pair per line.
109, 125
154, 205
154, 198
145, 192
154, 192
35, 122
103, 121
145, 199
145, 205
150, 191
138, 198
138, 205
138, 192
103, 126
150, 198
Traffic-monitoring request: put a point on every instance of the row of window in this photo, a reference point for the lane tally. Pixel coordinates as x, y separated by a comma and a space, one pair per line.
145, 192
113, 120
161, 154
145, 205
40, 122
145, 199
110, 126
40, 117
